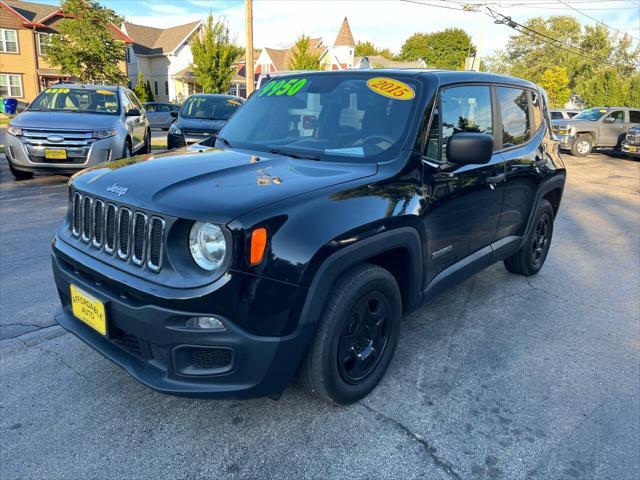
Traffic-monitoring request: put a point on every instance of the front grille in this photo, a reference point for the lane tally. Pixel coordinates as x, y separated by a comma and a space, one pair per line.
211, 358
633, 137
118, 230
76, 143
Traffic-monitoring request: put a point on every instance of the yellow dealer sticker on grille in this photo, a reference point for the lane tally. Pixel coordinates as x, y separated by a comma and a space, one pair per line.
391, 88
88, 309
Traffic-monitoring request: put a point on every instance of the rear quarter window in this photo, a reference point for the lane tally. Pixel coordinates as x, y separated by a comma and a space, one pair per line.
514, 111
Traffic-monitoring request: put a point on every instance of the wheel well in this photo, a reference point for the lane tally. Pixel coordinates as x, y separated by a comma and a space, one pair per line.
553, 197
396, 262
589, 134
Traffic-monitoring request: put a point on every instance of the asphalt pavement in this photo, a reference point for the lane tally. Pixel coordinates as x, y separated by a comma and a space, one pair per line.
502, 377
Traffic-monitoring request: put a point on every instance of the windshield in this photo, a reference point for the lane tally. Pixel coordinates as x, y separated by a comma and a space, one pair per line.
77, 100
326, 117
209, 108
591, 114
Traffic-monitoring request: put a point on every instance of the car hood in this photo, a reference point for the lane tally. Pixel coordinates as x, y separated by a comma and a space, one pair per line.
64, 120
212, 184
200, 125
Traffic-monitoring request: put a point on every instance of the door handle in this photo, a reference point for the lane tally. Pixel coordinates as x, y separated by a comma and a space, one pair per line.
493, 181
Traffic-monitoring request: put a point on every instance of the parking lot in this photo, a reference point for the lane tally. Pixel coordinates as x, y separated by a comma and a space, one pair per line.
501, 377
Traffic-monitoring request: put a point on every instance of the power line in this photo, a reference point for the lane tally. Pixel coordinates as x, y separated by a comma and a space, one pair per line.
433, 5
523, 29
597, 21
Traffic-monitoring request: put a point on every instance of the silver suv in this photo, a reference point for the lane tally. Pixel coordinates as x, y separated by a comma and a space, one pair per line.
596, 127
69, 127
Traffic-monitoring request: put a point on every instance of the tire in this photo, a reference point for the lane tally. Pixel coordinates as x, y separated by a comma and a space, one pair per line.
126, 151
19, 174
354, 312
582, 146
146, 148
532, 255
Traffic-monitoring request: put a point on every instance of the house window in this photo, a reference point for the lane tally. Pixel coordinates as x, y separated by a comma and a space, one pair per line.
127, 55
10, 85
166, 87
8, 41
43, 43
155, 87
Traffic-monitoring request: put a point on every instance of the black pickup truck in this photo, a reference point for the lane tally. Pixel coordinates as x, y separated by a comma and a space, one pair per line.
329, 206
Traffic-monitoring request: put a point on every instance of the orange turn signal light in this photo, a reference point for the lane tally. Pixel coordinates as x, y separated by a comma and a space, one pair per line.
258, 245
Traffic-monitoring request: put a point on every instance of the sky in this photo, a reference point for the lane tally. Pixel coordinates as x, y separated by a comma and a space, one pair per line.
386, 23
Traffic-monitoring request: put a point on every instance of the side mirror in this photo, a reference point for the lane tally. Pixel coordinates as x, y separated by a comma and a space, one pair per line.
469, 148
174, 114
609, 120
133, 112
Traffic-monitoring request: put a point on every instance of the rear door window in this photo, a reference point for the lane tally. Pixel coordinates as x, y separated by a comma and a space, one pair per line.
514, 110
536, 111
634, 116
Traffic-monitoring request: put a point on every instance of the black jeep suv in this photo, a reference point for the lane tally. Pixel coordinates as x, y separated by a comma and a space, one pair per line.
330, 205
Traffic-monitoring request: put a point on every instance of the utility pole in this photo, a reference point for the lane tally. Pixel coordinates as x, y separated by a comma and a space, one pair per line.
248, 64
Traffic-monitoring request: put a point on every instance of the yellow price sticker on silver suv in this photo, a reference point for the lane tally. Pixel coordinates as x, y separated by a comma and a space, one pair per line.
391, 88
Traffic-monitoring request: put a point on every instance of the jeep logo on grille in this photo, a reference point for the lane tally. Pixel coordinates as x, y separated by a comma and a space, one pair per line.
55, 138
117, 189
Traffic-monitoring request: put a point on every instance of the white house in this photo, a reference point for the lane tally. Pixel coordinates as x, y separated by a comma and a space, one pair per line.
163, 56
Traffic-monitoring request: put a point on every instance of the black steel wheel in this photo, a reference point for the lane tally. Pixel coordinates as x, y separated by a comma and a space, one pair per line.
356, 336
533, 253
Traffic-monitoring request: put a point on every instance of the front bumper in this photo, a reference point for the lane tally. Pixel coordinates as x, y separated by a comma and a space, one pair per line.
153, 345
31, 158
631, 150
566, 141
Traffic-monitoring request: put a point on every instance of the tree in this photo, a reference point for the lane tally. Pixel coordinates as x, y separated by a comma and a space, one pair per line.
386, 53
446, 49
605, 88
85, 47
147, 88
555, 81
214, 54
365, 49
303, 57
599, 64
140, 89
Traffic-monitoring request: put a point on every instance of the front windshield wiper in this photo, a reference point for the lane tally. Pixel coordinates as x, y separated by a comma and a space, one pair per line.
223, 140
288, 153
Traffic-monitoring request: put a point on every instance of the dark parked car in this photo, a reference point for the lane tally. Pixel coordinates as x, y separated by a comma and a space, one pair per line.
330, 205
159, 114
200, 117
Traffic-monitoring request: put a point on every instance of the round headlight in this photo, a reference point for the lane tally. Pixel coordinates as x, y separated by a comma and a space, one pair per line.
208, 245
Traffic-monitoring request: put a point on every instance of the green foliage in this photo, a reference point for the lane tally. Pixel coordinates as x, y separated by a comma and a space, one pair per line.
608, 88
365, 49
555, 81
445, 49
303, 57
386, 53
86, 47
147, 88
214, 55
140, 89
605, 63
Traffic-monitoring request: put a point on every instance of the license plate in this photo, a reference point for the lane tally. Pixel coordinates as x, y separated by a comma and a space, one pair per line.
88, 309
55, 154
633, 149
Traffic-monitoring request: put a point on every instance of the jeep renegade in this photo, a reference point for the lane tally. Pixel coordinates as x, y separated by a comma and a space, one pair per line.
329, 206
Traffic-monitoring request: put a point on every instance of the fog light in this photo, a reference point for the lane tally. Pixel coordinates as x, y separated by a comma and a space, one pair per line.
206, 323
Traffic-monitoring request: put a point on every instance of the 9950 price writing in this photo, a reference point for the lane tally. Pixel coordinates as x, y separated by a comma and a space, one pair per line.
283, 87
